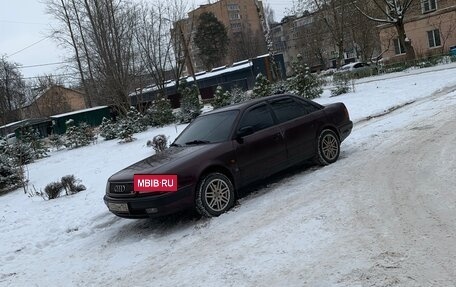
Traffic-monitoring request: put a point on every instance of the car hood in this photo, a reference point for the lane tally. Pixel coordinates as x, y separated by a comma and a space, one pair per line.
160, 163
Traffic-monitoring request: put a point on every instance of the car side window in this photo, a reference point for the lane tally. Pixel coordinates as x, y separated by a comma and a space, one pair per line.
308, 107
287, 109
258, 118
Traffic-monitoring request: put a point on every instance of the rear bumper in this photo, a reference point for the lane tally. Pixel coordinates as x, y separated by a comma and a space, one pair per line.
154, 205
345, 130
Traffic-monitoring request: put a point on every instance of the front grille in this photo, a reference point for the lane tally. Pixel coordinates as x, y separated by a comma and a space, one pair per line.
126, 189
121, 188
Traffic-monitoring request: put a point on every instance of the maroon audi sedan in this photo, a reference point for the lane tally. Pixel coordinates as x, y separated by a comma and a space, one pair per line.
226, 149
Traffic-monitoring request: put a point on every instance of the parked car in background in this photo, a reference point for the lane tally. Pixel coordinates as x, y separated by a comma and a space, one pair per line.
226, 149
358, 69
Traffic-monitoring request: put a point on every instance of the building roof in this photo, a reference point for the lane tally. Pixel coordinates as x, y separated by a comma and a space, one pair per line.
78, 112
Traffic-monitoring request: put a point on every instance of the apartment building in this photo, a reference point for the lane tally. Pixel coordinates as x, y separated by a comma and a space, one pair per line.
242, 21
431, 27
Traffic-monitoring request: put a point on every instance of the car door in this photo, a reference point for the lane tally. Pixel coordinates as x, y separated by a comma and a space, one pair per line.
263, 151
296, 120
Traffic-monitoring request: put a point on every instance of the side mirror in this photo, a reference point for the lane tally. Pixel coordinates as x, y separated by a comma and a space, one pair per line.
245, 131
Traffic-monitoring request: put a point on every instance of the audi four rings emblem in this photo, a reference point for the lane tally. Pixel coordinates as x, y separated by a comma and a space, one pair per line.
119, 188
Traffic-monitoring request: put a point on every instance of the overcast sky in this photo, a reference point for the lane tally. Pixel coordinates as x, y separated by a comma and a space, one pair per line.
25, 28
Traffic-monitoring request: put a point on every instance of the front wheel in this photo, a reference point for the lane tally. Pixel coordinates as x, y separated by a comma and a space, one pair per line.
214, 195
328, 148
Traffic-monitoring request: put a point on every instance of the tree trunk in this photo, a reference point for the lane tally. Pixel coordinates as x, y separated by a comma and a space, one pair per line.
406, 43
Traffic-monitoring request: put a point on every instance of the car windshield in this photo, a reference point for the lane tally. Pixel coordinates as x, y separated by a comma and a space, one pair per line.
209, 128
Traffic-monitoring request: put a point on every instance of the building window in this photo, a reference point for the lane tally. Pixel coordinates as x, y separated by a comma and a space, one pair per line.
398, 48
235, 16
434, 38
428, 5
233, 7
236, 26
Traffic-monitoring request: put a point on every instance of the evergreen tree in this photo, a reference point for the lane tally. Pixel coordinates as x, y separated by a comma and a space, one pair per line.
10, 175
136, 119
280, 87
190, 105
160, 113
212, 40
125, 130
56, 141
77, 136
108, 129
32, 137
221, 98
262, 87
237, 95
304, 83
21, 153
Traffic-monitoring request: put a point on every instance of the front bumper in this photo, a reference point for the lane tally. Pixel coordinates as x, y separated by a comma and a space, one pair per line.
153, 205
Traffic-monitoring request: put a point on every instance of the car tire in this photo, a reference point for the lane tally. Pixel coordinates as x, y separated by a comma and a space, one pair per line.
214, 195
328, 147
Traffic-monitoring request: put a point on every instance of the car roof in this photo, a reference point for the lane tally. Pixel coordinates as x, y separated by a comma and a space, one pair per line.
244, 105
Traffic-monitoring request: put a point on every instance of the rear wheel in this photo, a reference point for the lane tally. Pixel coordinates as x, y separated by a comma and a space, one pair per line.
214, 194
328, 148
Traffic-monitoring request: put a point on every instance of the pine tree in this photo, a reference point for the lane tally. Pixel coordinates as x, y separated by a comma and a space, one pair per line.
32, 137
212, 40
221, 98
21, 153
10, 175
77, 136
108, 129
136, 119
304, 83
160, 113
125, 130
262, 87
190, 105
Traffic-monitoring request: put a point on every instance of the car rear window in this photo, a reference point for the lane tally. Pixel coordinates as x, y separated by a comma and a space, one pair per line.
287, 109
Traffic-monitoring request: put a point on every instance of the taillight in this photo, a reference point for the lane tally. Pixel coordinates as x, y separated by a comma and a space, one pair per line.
347, 116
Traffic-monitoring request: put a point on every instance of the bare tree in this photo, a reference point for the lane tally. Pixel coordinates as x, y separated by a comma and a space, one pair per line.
158, 41
101, 36
12, 91
335, 15
393, 12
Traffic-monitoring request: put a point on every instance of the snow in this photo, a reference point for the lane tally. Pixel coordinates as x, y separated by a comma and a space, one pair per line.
377, 217
78, 112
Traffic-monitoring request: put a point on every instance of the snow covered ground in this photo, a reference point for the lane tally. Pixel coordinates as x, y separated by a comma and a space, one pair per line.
383, 215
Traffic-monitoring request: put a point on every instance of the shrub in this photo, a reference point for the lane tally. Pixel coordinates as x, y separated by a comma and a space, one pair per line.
159, 143
262, 87
341, 84
190, 104
136, 120
21, 153
125, 130
56, 141
71, 184
53, 190
32, 138
78, 136
304, 83
10, 175
280, 87
237, 95
221, 98
160, 113
108, 129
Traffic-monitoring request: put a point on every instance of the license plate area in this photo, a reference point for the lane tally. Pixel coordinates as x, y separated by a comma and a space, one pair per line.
118, 207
